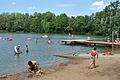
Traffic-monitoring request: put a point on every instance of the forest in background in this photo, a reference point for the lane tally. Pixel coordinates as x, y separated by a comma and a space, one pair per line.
100, 23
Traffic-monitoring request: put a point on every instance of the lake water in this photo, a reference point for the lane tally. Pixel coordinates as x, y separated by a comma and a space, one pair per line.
39, 50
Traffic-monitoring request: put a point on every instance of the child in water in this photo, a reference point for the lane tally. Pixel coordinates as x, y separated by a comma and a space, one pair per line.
26, 49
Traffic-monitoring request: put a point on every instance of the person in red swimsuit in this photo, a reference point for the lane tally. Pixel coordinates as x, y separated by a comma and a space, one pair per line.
93, 54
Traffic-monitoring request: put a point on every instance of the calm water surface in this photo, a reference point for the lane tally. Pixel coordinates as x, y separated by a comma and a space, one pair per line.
39, 50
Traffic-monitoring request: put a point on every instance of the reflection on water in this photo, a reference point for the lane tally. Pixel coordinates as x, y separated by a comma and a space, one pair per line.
39, 50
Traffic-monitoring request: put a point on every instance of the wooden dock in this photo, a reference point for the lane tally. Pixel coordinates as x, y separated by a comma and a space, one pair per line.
88, 42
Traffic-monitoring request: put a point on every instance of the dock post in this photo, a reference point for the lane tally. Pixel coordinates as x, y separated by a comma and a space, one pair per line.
112, 42
94, 44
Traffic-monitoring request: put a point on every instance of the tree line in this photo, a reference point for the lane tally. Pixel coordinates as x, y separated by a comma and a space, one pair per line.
99, 23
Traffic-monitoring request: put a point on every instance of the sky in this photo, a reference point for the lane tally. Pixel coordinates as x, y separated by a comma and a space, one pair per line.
70, 7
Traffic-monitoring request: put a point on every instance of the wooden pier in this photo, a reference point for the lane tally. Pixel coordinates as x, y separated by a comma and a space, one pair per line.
88, 42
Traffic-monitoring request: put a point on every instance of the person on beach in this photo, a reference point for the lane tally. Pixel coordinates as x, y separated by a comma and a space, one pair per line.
107, 53
93, 56
33, 66
17, 50
26, 49
117, 41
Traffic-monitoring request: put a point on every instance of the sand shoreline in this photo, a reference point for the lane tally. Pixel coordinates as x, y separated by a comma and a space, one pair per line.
76, 69
47, 70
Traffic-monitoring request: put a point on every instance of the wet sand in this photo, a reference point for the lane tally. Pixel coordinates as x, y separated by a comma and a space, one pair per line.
107, 68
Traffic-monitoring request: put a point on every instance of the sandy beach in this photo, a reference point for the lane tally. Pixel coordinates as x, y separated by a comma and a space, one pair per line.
107, 68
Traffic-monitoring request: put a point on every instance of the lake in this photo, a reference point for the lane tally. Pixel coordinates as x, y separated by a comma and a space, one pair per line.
39, 50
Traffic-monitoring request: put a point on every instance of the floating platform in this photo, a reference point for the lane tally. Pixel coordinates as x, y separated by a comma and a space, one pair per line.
88, 42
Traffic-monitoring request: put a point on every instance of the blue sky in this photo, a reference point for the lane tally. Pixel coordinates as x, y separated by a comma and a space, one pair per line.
70, 7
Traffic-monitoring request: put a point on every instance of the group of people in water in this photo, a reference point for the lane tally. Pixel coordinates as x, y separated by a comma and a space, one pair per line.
33, 66
17, 49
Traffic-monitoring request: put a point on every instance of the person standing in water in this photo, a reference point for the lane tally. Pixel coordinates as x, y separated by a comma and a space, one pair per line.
26, 49
17, 50
49, 41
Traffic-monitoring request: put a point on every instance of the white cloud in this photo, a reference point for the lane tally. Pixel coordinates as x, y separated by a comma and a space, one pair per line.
98, 5
32, 8
66, 5
13, 3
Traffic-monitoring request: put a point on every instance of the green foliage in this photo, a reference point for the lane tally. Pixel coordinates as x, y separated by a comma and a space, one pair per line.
99, 23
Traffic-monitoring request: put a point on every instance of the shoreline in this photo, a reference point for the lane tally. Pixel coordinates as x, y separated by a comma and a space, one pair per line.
47, 70
77, 69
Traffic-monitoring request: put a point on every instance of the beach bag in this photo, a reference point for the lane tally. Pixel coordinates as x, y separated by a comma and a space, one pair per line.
93, 53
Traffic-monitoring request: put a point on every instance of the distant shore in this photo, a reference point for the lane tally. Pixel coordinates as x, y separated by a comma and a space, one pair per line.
107, 68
